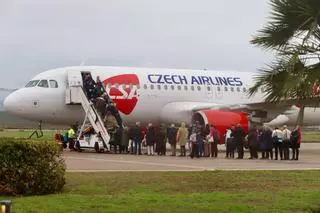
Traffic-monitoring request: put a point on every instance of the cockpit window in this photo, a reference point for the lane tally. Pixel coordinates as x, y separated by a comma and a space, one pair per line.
53, 84
32, 83
43, 83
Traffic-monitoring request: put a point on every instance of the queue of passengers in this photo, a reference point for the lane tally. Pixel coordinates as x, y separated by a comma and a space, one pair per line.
203, 141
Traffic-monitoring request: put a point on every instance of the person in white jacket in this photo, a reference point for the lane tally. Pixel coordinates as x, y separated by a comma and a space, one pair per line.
286, 142
277, 136
229, 143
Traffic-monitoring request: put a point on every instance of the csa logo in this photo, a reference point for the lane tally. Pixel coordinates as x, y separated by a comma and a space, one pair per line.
125, 98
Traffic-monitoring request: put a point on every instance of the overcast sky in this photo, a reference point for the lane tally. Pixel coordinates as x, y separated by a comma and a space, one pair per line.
36, 35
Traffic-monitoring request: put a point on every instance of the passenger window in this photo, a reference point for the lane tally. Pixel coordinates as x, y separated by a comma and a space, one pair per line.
43, 83
199, 88
238, 89
208, 88
159, 87
218, 89
151, 86
172, 87
232, 90
109, 85
226, 89
192, 88
53, 84
116, 85
244, 89
145, 86
179, 87
138, 86
165, 87
186, 87
32, 83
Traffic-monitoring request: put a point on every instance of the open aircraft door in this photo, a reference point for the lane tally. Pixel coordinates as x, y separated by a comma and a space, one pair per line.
74, 80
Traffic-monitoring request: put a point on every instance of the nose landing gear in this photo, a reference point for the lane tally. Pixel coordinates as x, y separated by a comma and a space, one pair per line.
35, 132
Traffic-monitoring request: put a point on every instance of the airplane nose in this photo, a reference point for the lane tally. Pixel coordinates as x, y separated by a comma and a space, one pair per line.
11, 104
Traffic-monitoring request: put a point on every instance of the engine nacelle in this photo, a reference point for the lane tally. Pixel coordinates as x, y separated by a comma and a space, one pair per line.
222, 120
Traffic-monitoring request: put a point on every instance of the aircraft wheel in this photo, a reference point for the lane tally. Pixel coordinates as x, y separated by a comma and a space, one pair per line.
78, 147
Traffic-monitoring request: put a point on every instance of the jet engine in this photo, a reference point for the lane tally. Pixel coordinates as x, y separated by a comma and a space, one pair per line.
222, 120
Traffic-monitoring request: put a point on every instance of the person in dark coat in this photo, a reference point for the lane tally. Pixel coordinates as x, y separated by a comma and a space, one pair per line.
100, 105
125, 140
150, 139
161, 139
262, 143
267, 138
90, 87
253, 143
295, 142
238, 136
172, 138
115, 112
99, 87
136, 136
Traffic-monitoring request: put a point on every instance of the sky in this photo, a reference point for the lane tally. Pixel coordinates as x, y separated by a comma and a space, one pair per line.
37, 35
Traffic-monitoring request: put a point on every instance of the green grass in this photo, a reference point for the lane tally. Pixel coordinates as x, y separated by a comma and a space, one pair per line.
47, 134
311, 137
219, 191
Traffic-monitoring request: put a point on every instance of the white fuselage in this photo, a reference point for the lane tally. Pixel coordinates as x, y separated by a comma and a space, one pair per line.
141, 94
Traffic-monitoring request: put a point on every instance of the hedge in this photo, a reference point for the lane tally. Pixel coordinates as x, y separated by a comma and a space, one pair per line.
30, 167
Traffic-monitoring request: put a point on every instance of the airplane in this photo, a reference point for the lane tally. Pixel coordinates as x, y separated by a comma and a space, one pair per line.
156, 95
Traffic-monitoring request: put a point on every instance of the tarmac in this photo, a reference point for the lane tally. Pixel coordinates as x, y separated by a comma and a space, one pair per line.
99, 162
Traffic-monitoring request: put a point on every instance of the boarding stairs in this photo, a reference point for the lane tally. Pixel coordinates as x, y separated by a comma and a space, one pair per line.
75, 95
93, 117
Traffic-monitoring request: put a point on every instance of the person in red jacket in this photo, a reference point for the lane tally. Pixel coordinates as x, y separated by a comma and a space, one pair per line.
295, 142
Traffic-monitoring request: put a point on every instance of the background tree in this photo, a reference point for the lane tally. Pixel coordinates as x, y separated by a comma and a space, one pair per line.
293, 33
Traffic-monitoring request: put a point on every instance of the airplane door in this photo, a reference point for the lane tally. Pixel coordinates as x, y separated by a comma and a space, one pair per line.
208, 91
218, 92
74, 78
74, 81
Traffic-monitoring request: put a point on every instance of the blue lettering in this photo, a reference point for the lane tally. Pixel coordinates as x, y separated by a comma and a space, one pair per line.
167, 79
160, 81
217, 80
223, 81
194, 80
212, 81
183, 79
150, 78
238, 81
230, 81
174, 79
205, 80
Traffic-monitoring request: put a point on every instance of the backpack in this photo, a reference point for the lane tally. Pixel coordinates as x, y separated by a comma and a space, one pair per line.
294, 136
279, 138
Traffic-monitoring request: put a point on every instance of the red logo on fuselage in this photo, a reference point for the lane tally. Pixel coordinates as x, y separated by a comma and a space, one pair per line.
123, 91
